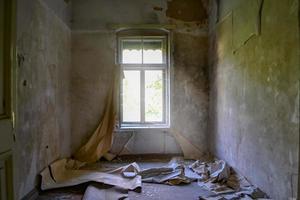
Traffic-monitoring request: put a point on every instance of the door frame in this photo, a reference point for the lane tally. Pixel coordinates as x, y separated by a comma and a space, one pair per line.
10, 88
9, 58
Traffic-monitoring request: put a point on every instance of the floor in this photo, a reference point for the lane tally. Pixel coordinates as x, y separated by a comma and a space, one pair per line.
149, 191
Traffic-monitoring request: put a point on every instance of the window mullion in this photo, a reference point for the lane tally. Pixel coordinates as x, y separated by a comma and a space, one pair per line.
142, 51
142, 86
142, 96
164, 95
121, 93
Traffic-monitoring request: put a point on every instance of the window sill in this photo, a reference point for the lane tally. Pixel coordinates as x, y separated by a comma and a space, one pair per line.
143, 127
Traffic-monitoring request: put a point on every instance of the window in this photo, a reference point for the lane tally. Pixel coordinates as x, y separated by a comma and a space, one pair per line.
144, 87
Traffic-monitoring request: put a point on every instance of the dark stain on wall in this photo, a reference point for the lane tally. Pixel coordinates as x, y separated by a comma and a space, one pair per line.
188, 10
158, 8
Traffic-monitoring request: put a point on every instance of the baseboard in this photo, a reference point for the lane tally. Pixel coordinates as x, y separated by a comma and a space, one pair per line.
32, 195
145, 157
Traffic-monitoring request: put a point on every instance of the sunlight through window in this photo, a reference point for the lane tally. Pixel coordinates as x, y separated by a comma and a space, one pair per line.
144, 85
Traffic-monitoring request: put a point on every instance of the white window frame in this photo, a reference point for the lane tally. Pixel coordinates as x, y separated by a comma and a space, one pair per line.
165, 67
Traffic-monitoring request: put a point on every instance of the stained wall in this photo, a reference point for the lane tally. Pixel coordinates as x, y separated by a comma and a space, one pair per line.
43, 101
93, 60
254, 99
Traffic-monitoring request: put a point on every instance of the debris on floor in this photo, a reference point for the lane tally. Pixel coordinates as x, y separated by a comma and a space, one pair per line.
224, 182
216, 177
59, 175
97, 193
173, 173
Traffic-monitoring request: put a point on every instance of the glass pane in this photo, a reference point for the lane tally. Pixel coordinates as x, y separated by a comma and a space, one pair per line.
131, 96
132, 51
153, 51
154, 96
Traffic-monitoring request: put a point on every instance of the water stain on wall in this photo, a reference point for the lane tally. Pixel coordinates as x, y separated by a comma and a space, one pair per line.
188, 10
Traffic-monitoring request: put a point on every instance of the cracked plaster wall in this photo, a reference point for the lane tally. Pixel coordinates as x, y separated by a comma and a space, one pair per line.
254, 107
43, 101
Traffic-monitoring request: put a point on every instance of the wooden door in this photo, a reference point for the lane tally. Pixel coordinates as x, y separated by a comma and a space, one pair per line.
7, 57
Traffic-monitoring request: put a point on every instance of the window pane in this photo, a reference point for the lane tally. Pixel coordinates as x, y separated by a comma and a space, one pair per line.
132, 51
154, 96
153, 51
131, 96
